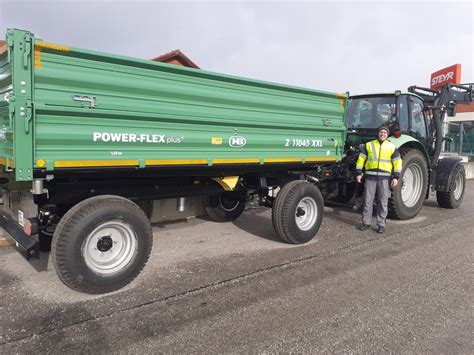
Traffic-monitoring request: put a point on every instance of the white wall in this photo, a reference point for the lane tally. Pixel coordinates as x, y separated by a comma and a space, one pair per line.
469, 166
165, 210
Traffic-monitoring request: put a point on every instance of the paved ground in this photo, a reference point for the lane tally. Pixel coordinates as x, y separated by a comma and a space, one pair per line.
234, 288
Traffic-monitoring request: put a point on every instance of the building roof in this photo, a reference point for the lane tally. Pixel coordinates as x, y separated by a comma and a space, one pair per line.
173, 57
465, 108
176, 57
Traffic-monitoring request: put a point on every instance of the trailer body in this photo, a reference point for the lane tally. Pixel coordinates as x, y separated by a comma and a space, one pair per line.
69, 108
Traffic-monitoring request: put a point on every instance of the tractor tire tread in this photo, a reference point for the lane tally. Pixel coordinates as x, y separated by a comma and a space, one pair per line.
393, 211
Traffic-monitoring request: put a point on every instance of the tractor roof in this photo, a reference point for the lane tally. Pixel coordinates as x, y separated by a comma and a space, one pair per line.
382, 94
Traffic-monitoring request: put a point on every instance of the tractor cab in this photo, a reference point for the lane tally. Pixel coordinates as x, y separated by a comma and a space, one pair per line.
401, 113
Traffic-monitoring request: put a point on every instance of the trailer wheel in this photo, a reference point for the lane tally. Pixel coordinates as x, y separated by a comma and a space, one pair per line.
298, 212
407, 199
101, 244
223, 207
453, 197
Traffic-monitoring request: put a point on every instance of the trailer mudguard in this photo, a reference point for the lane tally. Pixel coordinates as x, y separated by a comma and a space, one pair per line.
444, 173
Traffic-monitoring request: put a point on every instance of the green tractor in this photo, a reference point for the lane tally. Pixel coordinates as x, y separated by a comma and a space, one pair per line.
415, 121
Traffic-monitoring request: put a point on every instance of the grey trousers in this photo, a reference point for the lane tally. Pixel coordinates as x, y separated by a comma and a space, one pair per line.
371, 188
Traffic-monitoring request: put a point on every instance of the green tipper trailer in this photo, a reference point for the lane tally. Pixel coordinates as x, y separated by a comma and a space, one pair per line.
89, 138
73, 108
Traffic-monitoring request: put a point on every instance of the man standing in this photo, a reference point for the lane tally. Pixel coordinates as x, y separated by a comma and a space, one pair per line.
382, 163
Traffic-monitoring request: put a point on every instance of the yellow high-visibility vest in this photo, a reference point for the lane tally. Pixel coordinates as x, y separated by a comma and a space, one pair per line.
380, 159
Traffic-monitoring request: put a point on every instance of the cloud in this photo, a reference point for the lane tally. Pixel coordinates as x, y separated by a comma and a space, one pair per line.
335, 46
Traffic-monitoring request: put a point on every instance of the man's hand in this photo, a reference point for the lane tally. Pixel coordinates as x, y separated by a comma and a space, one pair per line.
359, 179
394, 183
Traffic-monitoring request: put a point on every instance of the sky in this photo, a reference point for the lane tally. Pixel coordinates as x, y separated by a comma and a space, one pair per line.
360, 47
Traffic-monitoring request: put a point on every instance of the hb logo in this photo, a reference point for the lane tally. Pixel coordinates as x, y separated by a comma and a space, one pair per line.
237, 141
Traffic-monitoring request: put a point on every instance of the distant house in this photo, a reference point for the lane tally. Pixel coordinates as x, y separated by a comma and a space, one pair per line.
176, 57
464, 113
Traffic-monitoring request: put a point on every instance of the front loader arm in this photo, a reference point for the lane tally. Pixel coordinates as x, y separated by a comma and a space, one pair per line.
440, 102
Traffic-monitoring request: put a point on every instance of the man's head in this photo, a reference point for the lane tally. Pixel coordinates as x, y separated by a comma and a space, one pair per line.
383, 133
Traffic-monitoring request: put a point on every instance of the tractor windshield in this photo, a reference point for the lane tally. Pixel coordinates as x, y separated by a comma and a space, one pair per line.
370, 112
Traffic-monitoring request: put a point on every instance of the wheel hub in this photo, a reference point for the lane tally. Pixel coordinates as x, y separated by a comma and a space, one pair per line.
109, 247
412, 185
458, 186
300, 212
105, 243
306, 213
227, 203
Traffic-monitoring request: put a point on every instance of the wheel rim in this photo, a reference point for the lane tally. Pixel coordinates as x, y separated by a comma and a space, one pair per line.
228, 204
458, 186
306, 213
109, 247
412, 185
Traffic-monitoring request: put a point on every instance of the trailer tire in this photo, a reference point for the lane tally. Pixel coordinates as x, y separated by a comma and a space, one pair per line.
298, 212
453, 197
408, 197
223, 207
101, 244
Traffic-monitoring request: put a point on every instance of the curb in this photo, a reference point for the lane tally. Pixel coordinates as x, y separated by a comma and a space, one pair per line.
4, 242
4, 239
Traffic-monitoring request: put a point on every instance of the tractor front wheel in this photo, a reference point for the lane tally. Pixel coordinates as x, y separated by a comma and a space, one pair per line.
452, 198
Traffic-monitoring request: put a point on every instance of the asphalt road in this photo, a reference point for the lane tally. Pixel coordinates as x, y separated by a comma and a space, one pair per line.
219, 288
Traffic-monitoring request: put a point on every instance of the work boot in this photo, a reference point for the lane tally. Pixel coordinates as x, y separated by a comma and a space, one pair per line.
364, 227
381, 229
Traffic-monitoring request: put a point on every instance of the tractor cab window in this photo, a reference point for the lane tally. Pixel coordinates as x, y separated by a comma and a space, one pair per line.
418, 121
371, 112
403, 114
